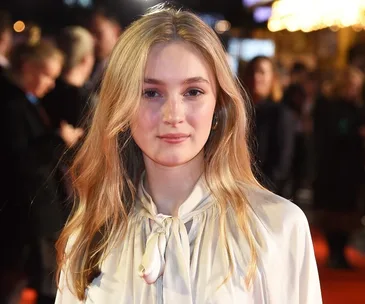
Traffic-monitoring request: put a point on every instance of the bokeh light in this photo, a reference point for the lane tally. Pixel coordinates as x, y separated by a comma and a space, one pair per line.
19, 26
222, 26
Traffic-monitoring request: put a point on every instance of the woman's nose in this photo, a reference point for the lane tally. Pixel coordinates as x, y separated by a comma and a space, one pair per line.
173, 110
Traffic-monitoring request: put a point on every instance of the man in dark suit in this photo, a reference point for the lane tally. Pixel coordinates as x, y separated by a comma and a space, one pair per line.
31, 198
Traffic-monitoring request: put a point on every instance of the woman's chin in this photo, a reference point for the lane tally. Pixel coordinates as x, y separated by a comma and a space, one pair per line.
173, 159
171, 162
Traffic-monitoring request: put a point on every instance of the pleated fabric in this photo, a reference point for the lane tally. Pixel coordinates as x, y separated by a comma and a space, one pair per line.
183, 259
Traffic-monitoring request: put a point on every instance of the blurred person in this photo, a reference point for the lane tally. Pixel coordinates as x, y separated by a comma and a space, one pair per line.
274, 125
106, 30
68, 100
168, 209
311, 86
294, 99
355, 56
31, 209
284, 76
340, 162
6, 39
299, 73
313, 102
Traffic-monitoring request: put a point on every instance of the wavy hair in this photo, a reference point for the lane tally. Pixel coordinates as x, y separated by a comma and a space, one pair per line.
108, 166
247, 76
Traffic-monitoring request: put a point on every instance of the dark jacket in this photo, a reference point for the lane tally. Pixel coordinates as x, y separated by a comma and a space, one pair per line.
66, 102
31, 189
339, 154
274, 131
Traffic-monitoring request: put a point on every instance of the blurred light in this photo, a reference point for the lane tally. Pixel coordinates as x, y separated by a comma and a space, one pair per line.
35, 34
357, 28
246, 49
274, 25
362, 21
334, 28
85, 3
70, 2
19, 26
261, 13
222, 26
82, 3
211, 19
313, 15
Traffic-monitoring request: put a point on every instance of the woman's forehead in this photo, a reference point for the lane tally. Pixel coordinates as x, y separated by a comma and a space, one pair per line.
177, 61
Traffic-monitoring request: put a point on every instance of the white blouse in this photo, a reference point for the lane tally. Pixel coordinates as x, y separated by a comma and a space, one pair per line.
182, 260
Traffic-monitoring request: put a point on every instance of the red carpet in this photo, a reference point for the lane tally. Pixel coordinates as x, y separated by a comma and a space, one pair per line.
340, 286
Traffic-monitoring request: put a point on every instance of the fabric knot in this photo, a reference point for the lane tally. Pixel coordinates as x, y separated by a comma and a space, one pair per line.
153, 260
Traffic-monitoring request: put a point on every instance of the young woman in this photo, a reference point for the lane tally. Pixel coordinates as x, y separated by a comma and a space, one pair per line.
168, 209
274, 124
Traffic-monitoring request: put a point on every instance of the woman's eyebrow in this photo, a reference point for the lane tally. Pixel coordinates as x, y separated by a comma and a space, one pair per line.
186, 81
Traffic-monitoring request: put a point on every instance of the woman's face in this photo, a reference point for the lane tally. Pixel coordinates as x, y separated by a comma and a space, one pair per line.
177, 106
263, 78
39, 77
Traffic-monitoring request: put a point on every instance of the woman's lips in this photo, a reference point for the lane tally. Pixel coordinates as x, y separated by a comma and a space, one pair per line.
174, 138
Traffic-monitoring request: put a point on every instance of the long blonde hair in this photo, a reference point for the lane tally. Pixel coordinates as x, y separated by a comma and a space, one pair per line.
108, 167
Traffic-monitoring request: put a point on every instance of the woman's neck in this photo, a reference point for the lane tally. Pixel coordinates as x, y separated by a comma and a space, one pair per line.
169, 187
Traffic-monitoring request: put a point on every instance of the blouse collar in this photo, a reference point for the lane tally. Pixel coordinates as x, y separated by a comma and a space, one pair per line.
196, 202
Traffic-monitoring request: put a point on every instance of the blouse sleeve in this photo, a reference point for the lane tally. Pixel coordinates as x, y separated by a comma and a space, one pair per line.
309, 285
64, 292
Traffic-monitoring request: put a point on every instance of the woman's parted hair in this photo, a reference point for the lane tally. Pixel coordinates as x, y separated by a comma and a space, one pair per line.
108, 167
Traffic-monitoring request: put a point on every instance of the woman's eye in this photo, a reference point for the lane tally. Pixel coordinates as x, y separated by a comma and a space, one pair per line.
151, 94
194, 93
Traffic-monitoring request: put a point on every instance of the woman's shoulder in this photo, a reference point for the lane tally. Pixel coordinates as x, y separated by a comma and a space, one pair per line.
273, 211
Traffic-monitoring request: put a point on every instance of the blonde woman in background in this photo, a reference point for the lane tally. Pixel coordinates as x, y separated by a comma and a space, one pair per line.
67, 102
168, 210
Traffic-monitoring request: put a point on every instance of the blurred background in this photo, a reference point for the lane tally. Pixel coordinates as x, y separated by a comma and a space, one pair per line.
302, 63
